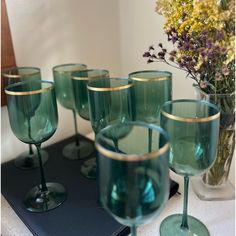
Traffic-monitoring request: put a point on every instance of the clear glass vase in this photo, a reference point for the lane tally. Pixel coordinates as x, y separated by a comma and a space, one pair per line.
214, 184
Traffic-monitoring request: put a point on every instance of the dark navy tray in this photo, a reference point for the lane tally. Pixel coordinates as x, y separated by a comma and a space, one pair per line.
79, 215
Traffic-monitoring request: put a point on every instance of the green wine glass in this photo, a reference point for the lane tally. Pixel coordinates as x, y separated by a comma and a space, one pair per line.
193, 129
26, 160
78, 149
33, 118
80, 81
152, 89
110, 101
133, 180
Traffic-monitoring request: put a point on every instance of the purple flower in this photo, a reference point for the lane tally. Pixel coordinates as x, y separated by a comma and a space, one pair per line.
209, 43
186, 46
225, 70
210, 54
182, 64
149, 60
219, 36
216, 48
174, 39
151, 48
189, 58
218, 76
203, 38
203, 52
224, 51
147, 54
203, 84
173, 53
161, 55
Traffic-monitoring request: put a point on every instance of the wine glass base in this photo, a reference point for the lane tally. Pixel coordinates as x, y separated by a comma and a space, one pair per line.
206, 192
73, 152
89, 168
25, 161
171, 226
38, 201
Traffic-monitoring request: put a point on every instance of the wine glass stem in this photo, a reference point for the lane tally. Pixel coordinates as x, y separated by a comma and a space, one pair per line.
115, 141
43, 182
133, 230
149, 140
29, 133
30, 150
184, 223
76, 129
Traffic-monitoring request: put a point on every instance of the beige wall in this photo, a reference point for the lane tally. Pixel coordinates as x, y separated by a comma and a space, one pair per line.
109, 34
141, 27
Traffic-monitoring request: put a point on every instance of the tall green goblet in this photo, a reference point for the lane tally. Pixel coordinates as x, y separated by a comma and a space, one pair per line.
33, 118
80, 81
110, 101
78, 149
26, 160
193, 129
152, 89
133, 180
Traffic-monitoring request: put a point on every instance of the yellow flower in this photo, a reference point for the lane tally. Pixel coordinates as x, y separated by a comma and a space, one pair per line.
193, 15
230, 50
210, 43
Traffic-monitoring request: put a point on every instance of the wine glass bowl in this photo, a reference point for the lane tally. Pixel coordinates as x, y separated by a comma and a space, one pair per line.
25, 103
19, 74
193, 129
26, 160
35, 128
78, 149
133, 180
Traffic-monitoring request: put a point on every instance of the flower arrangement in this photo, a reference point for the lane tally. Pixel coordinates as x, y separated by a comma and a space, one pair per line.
203, 34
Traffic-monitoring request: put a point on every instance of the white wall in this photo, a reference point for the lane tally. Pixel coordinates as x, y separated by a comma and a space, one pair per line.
50, 32
109, 34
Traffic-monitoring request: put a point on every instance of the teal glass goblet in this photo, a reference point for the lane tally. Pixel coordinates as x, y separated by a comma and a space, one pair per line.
26, 160
133, 180
80, 81
78, 149
110, 101
33, 118
193, 129
152, 89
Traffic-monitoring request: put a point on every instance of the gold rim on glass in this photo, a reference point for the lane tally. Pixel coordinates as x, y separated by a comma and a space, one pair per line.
105, 75
135, 157
111, 89
150, 79
188, 119
132, 157
68, 71
9, 92
6, 75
